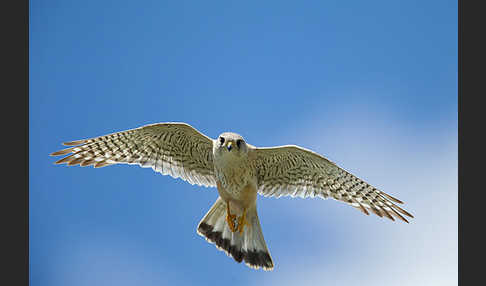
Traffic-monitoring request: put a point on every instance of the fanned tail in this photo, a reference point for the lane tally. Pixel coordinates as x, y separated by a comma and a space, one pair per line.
249, 246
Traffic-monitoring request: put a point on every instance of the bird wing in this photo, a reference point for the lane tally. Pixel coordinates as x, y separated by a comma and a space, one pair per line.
294, 171
175, 149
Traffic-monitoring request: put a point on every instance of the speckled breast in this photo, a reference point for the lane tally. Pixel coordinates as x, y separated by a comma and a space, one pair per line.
234, 178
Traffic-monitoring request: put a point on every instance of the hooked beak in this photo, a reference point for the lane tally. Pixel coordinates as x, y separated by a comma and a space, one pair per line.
229, 146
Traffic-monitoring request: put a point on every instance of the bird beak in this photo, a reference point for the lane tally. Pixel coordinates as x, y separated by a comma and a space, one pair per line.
229, 146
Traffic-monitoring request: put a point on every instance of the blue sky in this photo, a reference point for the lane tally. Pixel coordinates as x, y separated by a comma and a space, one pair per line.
370, 85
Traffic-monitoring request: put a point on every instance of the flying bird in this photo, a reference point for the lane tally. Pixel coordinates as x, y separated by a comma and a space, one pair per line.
239, 171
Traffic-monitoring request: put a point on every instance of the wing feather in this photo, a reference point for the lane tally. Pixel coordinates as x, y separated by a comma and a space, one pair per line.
297, 172
172, 148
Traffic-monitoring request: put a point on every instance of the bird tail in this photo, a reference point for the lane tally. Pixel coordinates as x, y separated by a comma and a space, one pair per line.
248, 246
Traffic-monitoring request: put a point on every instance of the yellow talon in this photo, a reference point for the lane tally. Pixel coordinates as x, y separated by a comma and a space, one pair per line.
230, 218
242, 221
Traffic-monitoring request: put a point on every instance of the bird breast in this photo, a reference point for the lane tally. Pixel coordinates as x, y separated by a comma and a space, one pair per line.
234, 176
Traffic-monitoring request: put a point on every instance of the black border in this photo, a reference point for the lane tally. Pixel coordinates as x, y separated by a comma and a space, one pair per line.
459, 144
471, 55
15, 125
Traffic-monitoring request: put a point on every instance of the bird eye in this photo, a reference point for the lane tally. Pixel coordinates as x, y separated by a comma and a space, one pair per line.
221, 139
238, 142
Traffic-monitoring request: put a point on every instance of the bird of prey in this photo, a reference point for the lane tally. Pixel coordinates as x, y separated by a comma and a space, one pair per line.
239, 171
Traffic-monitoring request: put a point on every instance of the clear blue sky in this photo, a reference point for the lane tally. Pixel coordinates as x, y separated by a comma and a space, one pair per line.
372, 85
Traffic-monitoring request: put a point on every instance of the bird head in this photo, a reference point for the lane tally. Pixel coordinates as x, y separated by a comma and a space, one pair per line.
231, 144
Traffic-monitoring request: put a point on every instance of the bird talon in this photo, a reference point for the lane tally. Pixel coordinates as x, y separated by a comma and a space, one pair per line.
242, 222
230, 218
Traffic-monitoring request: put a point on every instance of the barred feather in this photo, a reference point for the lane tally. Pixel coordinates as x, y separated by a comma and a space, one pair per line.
174, 149
295, 171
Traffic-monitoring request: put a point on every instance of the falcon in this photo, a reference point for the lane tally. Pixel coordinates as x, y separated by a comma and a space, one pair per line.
239, 171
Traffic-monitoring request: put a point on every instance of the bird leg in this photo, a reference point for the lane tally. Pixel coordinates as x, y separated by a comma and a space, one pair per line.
242, 221
230, 218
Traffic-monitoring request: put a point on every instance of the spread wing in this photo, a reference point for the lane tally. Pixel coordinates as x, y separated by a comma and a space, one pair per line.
175, 149
295, 171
